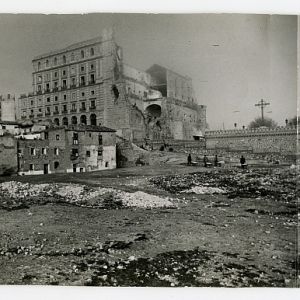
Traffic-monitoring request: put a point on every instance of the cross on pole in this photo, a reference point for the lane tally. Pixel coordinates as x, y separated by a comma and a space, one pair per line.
262, 105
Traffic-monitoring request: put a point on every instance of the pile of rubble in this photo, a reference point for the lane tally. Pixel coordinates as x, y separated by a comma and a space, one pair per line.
16, 195
276, 184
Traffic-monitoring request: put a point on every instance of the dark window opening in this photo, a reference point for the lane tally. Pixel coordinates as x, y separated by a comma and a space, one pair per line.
56, 165
115, 91
100, 139
88, 153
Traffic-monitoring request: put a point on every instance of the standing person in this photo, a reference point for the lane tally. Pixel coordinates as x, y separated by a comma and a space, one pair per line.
243, 162
189, 159
205, 160
216, 160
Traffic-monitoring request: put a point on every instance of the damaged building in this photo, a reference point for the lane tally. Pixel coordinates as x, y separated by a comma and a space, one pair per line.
88, 83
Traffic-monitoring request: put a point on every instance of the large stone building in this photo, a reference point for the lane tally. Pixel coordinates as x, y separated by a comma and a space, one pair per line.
88, 83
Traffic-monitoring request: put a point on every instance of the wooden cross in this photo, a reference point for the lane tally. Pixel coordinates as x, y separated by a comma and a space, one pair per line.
262, 105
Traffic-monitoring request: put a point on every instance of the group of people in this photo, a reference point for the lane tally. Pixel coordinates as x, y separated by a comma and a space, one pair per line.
206, 162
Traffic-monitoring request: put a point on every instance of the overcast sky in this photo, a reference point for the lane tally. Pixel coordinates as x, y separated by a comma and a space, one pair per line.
256, 56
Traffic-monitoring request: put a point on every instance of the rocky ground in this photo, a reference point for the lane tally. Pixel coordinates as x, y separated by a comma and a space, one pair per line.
146, 226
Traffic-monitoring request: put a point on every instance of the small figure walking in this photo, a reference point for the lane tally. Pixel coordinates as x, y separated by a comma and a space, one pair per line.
189, 159
243, 162
205, 160
216, 160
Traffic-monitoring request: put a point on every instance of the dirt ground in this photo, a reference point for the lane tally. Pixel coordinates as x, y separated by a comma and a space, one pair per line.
207, 240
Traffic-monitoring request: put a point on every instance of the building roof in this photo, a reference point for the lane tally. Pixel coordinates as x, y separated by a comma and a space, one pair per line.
83, 128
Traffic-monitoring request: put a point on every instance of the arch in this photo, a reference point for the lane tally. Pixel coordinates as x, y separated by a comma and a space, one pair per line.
74, 120
93, 119
83, 119
82, 54
56, 121
154, 110
65, 121
92, 51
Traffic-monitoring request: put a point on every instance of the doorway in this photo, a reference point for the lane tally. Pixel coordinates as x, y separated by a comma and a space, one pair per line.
46, 168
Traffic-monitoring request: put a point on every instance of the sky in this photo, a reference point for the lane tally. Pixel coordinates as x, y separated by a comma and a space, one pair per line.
233, 60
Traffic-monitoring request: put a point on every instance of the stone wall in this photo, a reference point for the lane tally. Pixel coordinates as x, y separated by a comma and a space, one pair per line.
8, 155
262, 140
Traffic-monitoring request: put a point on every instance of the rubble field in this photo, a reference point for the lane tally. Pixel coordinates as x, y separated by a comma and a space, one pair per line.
160, 226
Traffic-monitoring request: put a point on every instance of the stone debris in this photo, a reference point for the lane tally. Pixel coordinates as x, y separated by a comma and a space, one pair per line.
17, 195
204, 190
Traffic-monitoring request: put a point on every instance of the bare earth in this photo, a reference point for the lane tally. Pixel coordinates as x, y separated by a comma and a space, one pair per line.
206, 240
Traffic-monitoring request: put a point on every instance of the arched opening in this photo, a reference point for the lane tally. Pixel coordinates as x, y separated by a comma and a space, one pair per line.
55, 61
153, 110
65, 121
82, 54
64, 59
83, 119
92, 52
74, 120
56, 121
39, 65
56, 165
93, 119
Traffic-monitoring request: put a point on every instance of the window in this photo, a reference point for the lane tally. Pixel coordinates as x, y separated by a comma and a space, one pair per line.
75, 152
100, 152
82, 80
65, 97
56, 108
64, 83
82, 54
64, 59
73, 71
56, 151
72, 57
39, 88
92, 52
31, 112
39, 78
47, 63
88, 153
32, 151
65, 108
75, 138
31, 102
93, 104
40, 110
39, 65
48, 110
31, 167
92, 92
82, 94
64, 72
100, 139
55, 61
46, 136
57, 137
56, 165
92, 66
73, 95
82, 68
55, 74
92, 78
73, 80
44, 151
55, 84
73, 107
47, 87
56, 98
83, 105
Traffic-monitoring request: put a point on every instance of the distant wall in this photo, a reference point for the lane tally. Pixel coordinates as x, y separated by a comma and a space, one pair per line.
262, 140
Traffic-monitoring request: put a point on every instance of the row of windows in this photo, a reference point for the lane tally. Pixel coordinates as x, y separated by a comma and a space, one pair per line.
74, 121
64, 108
64, 84
63, 59
44, 151
64, 72
56, 98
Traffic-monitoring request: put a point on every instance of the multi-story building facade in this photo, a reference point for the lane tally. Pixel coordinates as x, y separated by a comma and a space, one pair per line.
88, 83
67, 149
